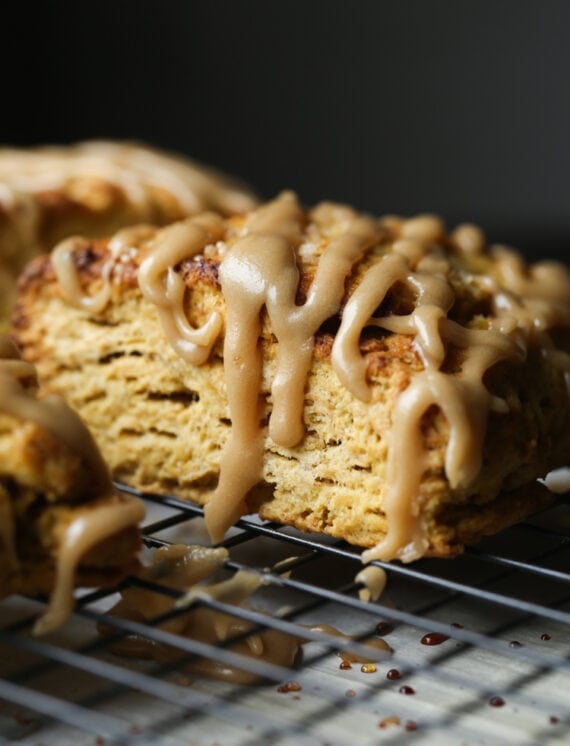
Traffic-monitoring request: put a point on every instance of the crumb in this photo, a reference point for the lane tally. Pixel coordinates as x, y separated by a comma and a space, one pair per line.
391, 720
289, 686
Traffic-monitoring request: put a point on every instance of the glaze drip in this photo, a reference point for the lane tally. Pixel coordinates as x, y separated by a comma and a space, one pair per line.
163, 286
92, 526
62, 259
260, 272
192, 569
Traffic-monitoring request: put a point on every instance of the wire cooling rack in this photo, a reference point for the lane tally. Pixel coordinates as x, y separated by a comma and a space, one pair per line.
497, 670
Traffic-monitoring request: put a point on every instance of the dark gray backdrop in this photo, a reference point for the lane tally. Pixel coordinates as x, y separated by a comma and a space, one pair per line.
456, 106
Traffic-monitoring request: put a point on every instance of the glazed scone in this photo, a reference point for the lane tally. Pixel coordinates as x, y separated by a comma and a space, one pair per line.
375, 379
93, 189
61, 523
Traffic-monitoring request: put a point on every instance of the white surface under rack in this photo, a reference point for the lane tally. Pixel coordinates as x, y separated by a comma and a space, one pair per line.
499, 675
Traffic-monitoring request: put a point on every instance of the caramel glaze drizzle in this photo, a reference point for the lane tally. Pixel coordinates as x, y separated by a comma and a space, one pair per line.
120, 246
260, 271
373, 579
192, 569
465, 401
164, 287
87, 529
182, 567
90, 525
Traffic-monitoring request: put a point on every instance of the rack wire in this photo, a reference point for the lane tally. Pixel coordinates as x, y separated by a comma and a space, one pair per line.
498, 671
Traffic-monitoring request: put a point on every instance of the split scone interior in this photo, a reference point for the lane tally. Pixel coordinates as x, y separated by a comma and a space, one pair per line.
61, 524
379, 380
94, 188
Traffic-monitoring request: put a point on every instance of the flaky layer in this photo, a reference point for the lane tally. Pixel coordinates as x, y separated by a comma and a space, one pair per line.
164, 423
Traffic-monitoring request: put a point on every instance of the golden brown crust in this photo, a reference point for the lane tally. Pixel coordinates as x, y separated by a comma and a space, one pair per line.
162, 423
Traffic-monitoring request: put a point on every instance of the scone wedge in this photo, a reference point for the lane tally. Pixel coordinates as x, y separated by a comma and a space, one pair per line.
376, 379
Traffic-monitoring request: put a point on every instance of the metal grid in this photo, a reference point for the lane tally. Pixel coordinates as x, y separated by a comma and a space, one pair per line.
501, 673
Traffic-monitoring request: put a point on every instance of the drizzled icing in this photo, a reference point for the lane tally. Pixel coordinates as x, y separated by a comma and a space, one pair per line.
63, 261
464, 400
185, 568
165, 288
90, 524
191, 571
261, 271
372, 258
374, 580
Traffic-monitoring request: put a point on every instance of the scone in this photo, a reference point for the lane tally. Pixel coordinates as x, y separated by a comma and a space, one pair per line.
378, 380
61, 524
95, 188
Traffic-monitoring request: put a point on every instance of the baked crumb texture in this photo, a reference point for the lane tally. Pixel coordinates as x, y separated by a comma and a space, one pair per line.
164, 423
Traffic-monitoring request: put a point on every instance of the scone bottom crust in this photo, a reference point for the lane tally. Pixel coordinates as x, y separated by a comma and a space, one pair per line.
380, 380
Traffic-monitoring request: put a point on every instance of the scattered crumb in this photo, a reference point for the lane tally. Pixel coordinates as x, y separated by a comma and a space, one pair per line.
289, 686
391, 720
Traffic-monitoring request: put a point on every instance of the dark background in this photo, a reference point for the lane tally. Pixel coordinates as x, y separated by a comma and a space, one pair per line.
461, 107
